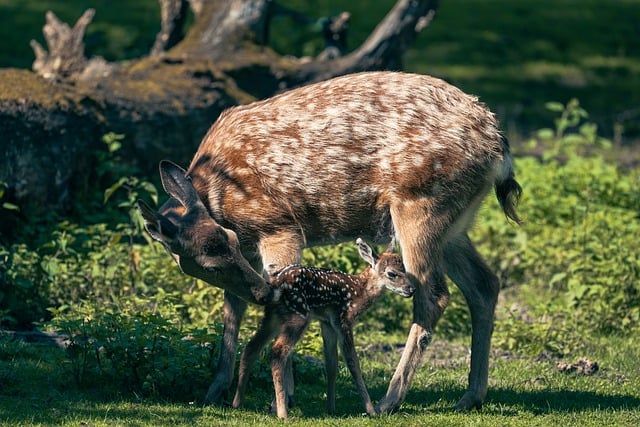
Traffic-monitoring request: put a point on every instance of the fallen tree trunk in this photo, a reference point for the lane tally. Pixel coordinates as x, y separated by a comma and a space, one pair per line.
52, 119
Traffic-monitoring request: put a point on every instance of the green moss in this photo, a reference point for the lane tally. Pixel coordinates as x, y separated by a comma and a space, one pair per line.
18, 84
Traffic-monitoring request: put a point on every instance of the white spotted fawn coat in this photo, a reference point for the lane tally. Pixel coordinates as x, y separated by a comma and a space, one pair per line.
336, 299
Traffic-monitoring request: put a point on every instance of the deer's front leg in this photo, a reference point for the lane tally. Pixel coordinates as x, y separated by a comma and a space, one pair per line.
234, 309
265, 333
349, 351
278, 250
289, 387
429, 302
420, 231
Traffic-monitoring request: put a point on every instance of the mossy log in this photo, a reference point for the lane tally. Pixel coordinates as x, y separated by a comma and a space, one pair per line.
52, 119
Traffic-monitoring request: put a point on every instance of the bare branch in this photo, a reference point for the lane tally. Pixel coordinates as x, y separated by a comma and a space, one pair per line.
395, 33
334, 31
222, 27
66, 49
172, 18
382, 50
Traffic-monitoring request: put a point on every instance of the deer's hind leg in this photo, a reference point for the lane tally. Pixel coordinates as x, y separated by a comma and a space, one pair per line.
480, 287
330, 348
421, 233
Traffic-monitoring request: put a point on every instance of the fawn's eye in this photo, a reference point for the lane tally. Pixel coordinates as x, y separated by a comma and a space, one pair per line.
211, 269
392, 275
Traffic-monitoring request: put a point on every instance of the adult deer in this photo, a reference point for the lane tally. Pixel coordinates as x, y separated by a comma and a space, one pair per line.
366, 155
336, 299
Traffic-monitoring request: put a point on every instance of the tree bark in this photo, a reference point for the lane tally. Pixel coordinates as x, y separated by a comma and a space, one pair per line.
52, 119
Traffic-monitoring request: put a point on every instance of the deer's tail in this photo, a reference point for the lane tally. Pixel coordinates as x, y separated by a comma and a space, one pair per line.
508, 191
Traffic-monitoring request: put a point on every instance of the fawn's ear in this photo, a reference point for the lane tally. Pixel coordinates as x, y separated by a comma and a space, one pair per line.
392, 244
177, 185
156, 225
366, 253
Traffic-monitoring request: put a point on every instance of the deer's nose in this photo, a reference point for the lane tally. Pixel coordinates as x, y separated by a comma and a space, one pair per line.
410, 290
267, 295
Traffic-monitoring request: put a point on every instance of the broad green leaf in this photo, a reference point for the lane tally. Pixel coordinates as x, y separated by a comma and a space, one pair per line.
556, 107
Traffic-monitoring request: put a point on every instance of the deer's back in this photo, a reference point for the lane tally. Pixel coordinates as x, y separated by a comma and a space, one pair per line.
330, 157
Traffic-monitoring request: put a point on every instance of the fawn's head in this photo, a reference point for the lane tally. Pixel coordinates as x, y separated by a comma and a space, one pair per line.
201, 247
388, 269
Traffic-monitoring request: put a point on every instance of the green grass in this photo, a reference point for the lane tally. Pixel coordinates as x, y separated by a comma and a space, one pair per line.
37, 390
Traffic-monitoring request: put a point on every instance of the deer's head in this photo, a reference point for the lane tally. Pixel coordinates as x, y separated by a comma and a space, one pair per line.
201, 247
388, 269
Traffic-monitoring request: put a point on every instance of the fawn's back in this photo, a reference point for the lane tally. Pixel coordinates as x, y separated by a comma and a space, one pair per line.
323, 292
308, 289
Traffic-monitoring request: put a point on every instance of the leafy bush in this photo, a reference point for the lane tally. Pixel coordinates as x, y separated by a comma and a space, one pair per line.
71, 262
148, 351
575, 256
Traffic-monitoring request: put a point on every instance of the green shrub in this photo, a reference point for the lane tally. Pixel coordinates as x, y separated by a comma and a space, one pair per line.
575, 256
72, 262
145, 350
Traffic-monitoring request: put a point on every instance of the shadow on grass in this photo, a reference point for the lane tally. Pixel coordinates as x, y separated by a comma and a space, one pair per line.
77, 407
507, 401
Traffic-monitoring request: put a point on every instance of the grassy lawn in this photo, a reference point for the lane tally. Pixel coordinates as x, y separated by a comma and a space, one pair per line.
38, 390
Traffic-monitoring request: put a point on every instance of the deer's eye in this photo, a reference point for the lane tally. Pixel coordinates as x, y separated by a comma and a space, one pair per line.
211, 269
392, 275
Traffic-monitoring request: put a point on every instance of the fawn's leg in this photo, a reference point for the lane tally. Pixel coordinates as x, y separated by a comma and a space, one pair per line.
480, 287
330, 347
265, 333
234, 309
289, 383
349, 351
420, 232
276, 252
288, 387
290, 333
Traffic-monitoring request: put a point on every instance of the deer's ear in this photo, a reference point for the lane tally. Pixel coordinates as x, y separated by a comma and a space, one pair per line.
158, 227
366, 253
177, 185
